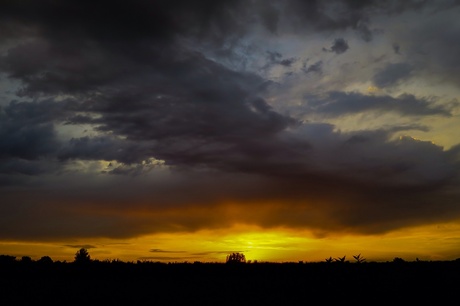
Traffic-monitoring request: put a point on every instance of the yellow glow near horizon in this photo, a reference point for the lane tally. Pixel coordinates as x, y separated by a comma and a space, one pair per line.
434, 242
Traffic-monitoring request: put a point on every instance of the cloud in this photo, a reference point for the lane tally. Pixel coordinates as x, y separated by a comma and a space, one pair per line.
343, 103
217, 252
288, 61
199, 144
169, 258
26, 131
339, 46
392, 74
317, 67
430, 46
79, 246
396, 48
401, 178
165, 251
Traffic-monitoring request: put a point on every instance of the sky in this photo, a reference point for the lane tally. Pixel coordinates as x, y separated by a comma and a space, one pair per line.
185, 130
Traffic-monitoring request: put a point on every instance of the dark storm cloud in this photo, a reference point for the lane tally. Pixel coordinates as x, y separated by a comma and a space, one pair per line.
342, 103
112, 20
392, 74
339, 46
26, 130
342, 15
319, 16
141, 90
327, 188
132, 73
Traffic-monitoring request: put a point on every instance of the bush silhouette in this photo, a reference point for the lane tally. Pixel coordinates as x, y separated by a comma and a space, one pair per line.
46, 260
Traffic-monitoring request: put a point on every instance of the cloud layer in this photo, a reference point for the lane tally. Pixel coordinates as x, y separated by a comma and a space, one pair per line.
185, 115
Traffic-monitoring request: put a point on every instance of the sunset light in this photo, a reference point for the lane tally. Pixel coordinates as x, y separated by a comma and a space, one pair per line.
184, 131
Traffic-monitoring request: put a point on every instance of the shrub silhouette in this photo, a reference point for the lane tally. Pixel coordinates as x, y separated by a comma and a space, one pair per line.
82, 256
398, 260
236, 258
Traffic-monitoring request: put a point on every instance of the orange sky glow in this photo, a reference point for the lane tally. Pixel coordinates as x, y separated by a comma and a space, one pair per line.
434, 242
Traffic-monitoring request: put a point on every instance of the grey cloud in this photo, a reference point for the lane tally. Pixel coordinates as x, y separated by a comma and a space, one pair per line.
316, 15
341, 15
392, 74
99, 148
362, 28
269, 15
20, 166
317, 67
396, 48
288, 61
339, 46
431, 46
275, 58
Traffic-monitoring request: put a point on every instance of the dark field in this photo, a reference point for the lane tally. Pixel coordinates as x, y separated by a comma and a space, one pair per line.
148, 283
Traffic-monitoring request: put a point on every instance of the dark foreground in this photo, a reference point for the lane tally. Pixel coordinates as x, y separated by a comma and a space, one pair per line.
118, 283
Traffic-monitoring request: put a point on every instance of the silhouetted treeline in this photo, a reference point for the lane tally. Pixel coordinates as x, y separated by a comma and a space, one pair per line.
115, 282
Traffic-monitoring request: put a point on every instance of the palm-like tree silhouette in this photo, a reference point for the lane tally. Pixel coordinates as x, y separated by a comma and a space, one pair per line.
359, 259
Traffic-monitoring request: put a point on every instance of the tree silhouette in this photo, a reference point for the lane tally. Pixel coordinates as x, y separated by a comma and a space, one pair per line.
236, 258
82, 256
359, 259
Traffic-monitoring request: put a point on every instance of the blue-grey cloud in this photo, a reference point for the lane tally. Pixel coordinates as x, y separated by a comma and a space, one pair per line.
335, 103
